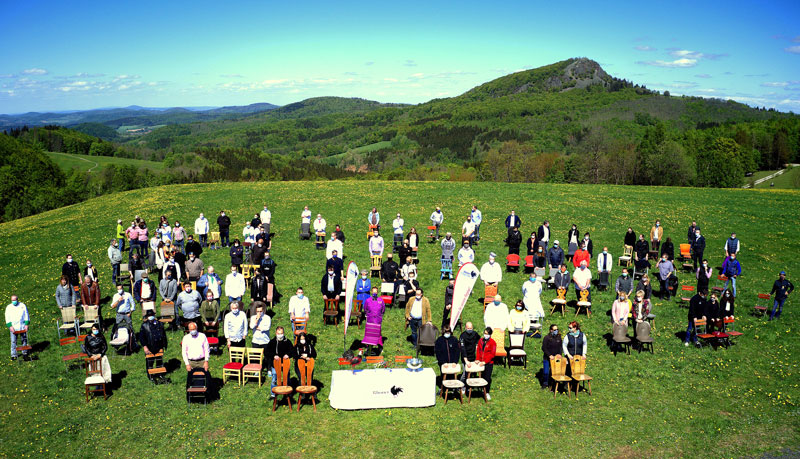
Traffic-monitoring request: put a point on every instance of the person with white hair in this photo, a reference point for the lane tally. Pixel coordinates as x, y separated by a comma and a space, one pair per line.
496, 314
531, 296
201, 229
491, 273
465, 254
437, 217
582, 277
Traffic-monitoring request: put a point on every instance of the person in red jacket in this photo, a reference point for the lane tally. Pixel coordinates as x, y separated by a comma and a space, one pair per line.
485, 353
581, 255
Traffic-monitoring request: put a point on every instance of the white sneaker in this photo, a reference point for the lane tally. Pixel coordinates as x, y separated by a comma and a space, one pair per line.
686, 344
488, 397
463, 390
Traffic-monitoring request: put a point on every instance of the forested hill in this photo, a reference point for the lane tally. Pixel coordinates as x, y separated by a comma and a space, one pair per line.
569, 121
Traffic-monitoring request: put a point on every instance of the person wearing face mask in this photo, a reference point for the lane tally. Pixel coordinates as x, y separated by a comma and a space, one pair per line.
698, 247
258, 251
188, 303
572, 241
732, 269
258, 288
555, 256
266, 218
363, 287
201, 229
278, 349
193, 246
485, 352
408, 269
448, 302
539, 259
496, 314
448, 246
336, 263
115, 257
376, 244
491, 273
640, 308
123, 303
165, 233
143, 236
171, 266
624, 284
551, 346
641, 252
194, 267
404, 251
697, 310
588, 244
209, 312
543, 234
630, 237
781, 288
465, 254
168, 287
90, 270
390, 272
512, 221
331, 285
397, 226
437, 218
305, 350
299, 307
260, 324
691, 235
656, 233
413, 239
531, 296
447, 348
17, 319
468, 230
95, 347
152, 337
144, 291
73, 272
582, 277
574, 342
178, 237
237, 254
703, 274
519, 320
411, 285
334, 244
666, 269
581, 255
644, 285
605, 263
418, 311
726, 304
620, 310
374, 308
532, 244
224, 224
305, 216
562, 278
668, 249
234, 285
90, 296
65, 296
210, 282
713, 314
236, 326
320, 225
249, 234
195, 353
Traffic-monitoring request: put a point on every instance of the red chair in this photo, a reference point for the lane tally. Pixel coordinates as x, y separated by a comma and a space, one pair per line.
761, 309
729, 328
686, 288
529, 263
512, 262
718, 288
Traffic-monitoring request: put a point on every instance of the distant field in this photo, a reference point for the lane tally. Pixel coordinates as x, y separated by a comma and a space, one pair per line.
68, 161
372, 147
788, 179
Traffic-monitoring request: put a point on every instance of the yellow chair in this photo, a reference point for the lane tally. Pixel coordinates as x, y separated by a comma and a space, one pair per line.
255, 362
583, 303
558, 370
560, 301
283, 388
306, 367
627, 256
375, 267
489, 293
213, 240
578, 366
234, 367
499, 337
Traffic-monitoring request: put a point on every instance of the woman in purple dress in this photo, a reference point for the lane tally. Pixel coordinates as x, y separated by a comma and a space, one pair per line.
374, 307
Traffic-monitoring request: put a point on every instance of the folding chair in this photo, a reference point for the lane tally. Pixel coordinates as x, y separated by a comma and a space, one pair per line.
401, 359
761, 305
91, 316
94, 381
560, 301
718, 288
512, 262
577, 366
447, 268
306, 387
690, 290
558, 372
157, 371
70, 358
627, 256
499, 337
122, 340
124, 277
234, 367
728, 324
283, 389
702, 334
375, 267
255, 363
431, 233
584, 303
197, 386
331, 311
213, 240
516, 348
68, 322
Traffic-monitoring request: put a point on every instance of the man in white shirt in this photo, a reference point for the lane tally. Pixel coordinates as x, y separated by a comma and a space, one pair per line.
234, 285
376, 244
236, 326
477, 218
201, 229
260, 323
123, 303
266, 218
17, 319
334, 244
437, 217
299, 307
583, 280
468, 231
249, 234
491, 273
604, 264
305, 216
496, 314
194, 350
465, 254
320, 224
397, 225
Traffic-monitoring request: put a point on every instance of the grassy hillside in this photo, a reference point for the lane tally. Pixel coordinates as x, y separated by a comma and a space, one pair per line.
678, 402
789, 179
68, 161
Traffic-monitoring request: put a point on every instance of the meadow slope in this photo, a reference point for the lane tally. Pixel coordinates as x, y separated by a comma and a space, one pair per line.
678, 402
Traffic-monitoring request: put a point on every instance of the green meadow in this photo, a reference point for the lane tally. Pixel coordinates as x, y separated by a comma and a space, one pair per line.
679, 401
67, 161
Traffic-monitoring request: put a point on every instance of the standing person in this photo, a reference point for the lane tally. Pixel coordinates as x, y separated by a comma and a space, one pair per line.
437, 218
518, 319
363, 287
299, 307
582, 277
331, 285
17, 319
168, 288
144, 292
531, 297
624, 284
234, 285
209, 312
469, 343
448, 246
305, 216
390, 273
260, 324
143, 235
581, 255
697, 310
90, 296
446, 348
91, 271
588, 245
726, 304
210, 282
668, 249
188, 303
237, 255
732, 245
465, 254
376, 244
266, 218
562, 278
374, 218
193, 246
72, 271
339, 233
666, 269
485, 353
418, 312
374, 309
605, 263
514, 240
259, 288
731, 268
278, 349
65, 295
236, 327
551, 346
620, 310
468, 231
555, 255
178, 236
224, 224
95, 347
691, 235
115, 257
656, 233
201, 230
630, 237
513, 221
448, 302
703, 275
119, 235
152, 337
477, 218
194, 350
532, 244
496, 314
698, 247
334, 245
132, 233
543, 234
491, 273
123, 303
574, 342
644, 285
194, 267
781, 289
397, 226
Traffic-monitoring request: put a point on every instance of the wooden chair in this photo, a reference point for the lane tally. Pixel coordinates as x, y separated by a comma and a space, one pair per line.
197, 386
558, 372
728, 324
375, 266
584, 303
300, 326
688, 296
68, 323
620, 338
516, 350
512, 262
476, 382
627, 256
357, 312
255, 363
718, 288
415, 255
94, 382
760, 308
686, 257
331, 311
578, 367
283, 389
91, 316
213, 240
234, 367
167, 313
489, 292
560, 301
447, 268
431, 233
306, 387
70, 358
124, 277
157, 371
702, 333
320, 240
451, 385
371, 231
499, 337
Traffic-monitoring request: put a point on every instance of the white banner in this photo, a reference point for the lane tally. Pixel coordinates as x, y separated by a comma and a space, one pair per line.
383, 388
352, 278
465, 281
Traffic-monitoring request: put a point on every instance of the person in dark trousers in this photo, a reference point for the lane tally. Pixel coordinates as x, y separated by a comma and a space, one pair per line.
551, 346
698, 247
447, 348
152, 337
448, 303
193, 246
237, 255
691, 235
668, 249
630, 237
468, 342
331, 285
485, 352
697, 310
224, 223
514, 241
781, 289
72, 271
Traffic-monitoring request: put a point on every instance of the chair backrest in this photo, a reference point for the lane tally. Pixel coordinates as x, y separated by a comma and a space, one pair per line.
512, 259
699, 323
236, 354
763, 296
643, 330
447, 264
561, 292
68, 314
627, 251
585, 295
91, 313
376, 261
499, 337
122, 334
282, 372
330, 304
687, 288
529, 261
577, 365
619, 331
358, 305
300, 326
401, 359
516, 340
373, 359
123, 267
197, 378
728, 320
343, 361
387, 288
93, 367
428, 334
167, 309
255, 356
306, 368
686, 249
722, 278
558, 365
490, 291
68, 340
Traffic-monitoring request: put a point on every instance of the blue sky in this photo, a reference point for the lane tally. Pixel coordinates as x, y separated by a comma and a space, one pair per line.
77, 55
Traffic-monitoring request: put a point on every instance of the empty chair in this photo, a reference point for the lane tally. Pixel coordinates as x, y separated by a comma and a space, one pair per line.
255, 363
516, 348
584, 303
68, 322
331, 310
306, 387
620, 338
627, 256
197, 386
91, 316
512, 262
447, 268
234, 366
154, 364
643, 336
577, 366
121, 339
476, 382
453, 384
558, 373
560, 301
499, 337
94, 381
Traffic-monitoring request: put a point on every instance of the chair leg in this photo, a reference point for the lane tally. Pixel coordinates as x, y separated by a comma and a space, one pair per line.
445, 395
299, 402
289, 399
555, 390
314, 402
590, 387
87, 394
469, 396
274, 403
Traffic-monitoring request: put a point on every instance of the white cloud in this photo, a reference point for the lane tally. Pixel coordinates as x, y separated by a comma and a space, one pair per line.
119, 78
793, 49
703, 75
775, 84
7, 75
410, 63
368, 63
644, 48
390, 80
35, 71
687, 54
677, 63
231, 75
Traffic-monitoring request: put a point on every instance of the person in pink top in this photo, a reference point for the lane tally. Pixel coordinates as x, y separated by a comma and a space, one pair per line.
142, 236
620, 310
